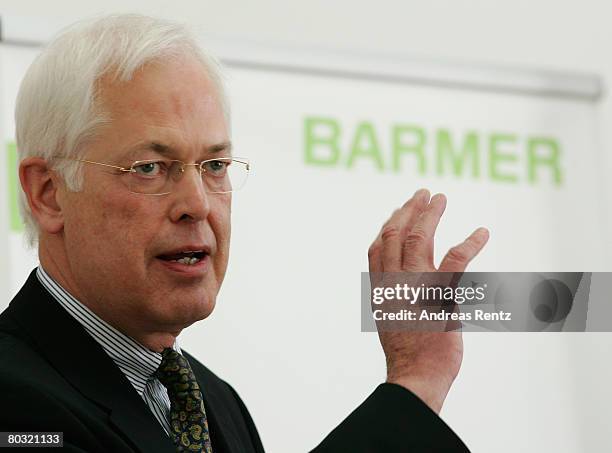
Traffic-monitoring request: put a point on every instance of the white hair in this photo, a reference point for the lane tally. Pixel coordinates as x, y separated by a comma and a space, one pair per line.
58, 110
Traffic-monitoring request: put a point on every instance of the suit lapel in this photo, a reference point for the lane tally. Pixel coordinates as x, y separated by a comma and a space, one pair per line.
83, 362
220, 424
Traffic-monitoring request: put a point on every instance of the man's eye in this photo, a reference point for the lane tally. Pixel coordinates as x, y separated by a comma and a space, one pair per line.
149, 168
216, 167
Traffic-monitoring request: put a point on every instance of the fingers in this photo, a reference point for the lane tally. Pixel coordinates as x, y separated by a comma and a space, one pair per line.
402, 219
393, 233
417, 250
458, 257
406, 241
417, 203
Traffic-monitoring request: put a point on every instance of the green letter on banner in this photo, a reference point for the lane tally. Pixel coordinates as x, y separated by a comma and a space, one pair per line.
365, 144
13, 188
457, 159
416, 145
497, 157
551, 159
318, 133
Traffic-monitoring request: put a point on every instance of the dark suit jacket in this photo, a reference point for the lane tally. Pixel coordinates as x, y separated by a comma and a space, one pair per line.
55, 377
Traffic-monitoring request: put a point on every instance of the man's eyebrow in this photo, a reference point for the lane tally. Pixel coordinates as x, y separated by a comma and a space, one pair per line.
170, 151
157, 147
220, 147
160, 148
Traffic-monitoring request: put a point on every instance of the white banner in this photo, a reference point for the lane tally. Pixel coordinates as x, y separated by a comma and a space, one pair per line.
332, 158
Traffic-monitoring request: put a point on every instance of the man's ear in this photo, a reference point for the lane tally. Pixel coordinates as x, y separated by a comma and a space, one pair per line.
40, 185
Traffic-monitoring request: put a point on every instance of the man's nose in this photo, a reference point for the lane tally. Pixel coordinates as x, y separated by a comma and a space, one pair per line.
191, 200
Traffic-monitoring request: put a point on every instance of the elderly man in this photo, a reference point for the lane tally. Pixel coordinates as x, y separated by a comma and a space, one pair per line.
127, 175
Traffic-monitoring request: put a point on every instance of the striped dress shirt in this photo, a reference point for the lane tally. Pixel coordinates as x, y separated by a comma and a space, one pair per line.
136, 362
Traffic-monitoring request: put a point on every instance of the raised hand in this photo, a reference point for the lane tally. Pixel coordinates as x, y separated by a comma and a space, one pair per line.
426, 363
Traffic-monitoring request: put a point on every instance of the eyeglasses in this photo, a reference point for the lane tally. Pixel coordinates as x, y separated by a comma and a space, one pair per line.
158, 176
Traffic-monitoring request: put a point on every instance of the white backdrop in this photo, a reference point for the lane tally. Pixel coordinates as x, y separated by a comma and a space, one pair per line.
286, 329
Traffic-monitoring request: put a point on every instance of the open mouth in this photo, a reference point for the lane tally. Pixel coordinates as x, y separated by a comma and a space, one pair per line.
188, 257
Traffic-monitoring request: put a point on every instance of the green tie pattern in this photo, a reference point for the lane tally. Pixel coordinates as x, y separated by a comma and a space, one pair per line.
187, 416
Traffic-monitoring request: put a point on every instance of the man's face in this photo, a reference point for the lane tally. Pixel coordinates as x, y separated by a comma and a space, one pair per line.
120, 245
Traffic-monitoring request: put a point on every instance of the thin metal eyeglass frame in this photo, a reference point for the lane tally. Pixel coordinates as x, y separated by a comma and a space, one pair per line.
131, 169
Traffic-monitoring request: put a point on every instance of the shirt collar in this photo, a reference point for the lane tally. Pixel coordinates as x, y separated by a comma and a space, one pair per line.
137, 362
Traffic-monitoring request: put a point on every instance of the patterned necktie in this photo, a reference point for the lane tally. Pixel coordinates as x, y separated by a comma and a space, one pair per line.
187, 416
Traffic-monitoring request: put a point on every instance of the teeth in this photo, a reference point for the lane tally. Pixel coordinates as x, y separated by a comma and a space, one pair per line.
188, 260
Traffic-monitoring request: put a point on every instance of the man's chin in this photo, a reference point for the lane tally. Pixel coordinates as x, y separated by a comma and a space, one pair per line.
186, 312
